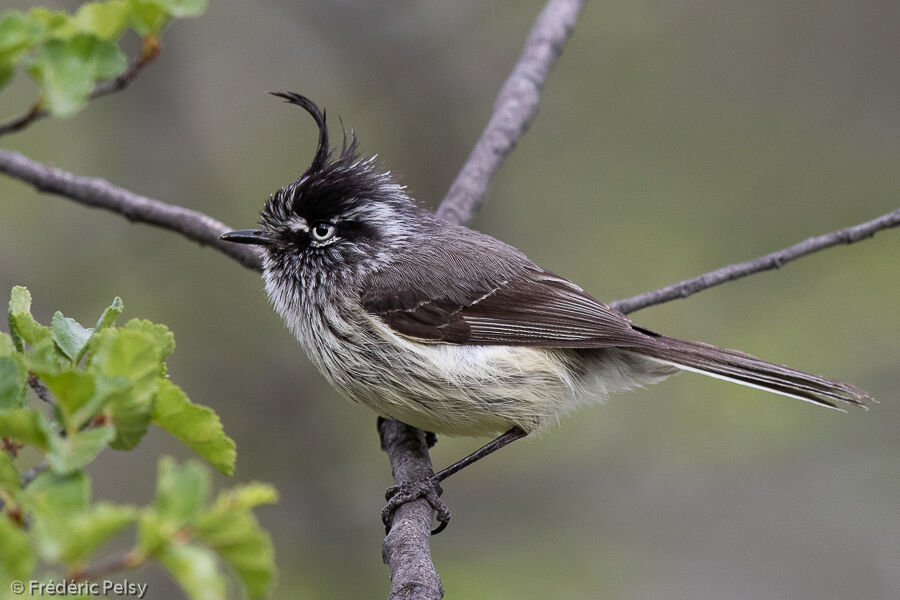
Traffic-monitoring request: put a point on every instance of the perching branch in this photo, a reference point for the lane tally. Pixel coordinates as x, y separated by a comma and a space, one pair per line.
514, 109
99, 193
406, 548
774, 260
149, 51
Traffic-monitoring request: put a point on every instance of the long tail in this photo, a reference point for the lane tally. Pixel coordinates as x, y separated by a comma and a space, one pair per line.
748, 370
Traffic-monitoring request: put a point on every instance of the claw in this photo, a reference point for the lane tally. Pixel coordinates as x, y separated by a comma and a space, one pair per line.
408, 491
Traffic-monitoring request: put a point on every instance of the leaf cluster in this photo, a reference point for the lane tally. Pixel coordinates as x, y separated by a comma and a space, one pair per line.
67, 54
104, 386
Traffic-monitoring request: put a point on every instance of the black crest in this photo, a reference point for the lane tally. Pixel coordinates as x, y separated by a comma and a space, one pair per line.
323, 150
330, 185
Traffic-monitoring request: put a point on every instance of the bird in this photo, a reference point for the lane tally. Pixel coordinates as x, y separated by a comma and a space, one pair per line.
451, 330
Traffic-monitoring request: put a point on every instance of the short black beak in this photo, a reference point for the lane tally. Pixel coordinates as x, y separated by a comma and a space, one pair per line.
256, 237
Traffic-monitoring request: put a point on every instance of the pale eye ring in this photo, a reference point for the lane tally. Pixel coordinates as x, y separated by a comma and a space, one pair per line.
322, 231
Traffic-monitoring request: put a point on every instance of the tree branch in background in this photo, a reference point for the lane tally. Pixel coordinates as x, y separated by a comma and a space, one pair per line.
514, 110
774, 260
149, 51
99, 193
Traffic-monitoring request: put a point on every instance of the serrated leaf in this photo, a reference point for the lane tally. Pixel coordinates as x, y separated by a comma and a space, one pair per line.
195, 570
66, 79
106, 20
184, 8
238, 499
72, 390
52, 22
10, 479
70, 453
135, 357
197, 426
7, 348
75, 538
246, 548
60, 495
66, 69
148, 17
13, 382
181, 490
110, 314
26, 425
230, 529
17, 34
17, 559
45, 358
22, 325
162, 337
69, 335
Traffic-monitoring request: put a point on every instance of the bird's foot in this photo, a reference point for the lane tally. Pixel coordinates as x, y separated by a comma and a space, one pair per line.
408, 491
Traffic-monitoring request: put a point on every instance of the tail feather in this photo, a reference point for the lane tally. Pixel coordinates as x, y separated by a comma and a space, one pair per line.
744, 369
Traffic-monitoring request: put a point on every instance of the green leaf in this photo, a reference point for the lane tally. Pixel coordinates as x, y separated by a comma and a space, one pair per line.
181, 492
70, 453
7, 347
195, 570
60, 495
184, 8
148, 17
26, 425
13, 382
106, 20
110, 314
45, 358
66, 69
69, 335
6, 73
162, 337
52, 22
135, 357
75, 538
22, 325
10, 479
17, 34
17, 559
238, 499
247, 549
232, 531
197, 426
72, 390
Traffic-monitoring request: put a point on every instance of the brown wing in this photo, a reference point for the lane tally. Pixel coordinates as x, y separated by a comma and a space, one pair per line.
534, 308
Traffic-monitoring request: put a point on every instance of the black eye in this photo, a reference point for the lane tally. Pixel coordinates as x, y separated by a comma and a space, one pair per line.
322, 231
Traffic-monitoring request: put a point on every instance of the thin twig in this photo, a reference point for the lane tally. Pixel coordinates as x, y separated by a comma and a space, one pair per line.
99, 193
775, 260
113, 564
32, 473
149, 51
515, 108
40, 389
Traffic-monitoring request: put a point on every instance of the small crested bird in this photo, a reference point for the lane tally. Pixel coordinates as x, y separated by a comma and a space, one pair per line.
451, 330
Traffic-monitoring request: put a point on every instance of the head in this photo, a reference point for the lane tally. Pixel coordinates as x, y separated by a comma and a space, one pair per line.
342, 217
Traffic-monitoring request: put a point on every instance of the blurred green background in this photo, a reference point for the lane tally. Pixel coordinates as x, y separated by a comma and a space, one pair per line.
673, 137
